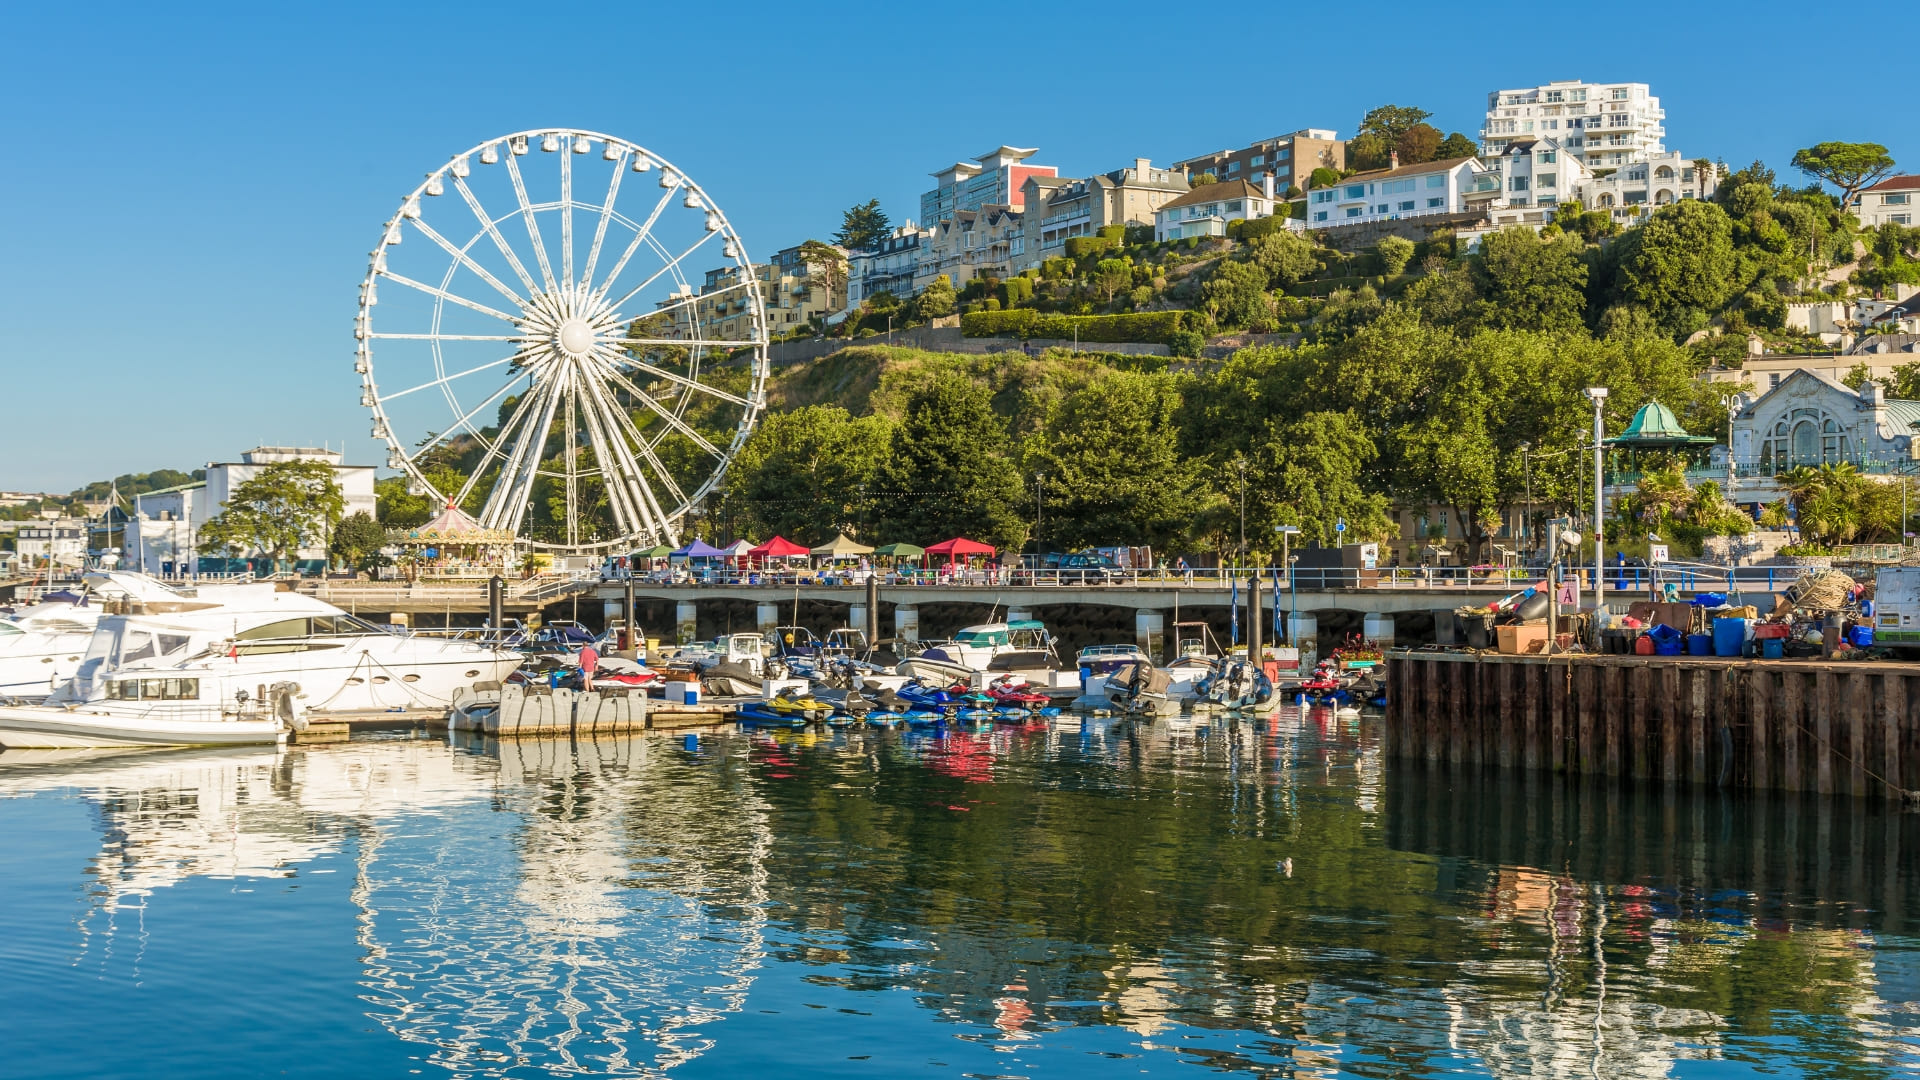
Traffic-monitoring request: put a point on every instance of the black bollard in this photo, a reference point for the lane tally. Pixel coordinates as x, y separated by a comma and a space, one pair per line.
496, 603
1253, 617
873, 607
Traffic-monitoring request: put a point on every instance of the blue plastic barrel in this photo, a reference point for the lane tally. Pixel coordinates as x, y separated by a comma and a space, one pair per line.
1773, 648
1860, 637
1699, 644
1729, 636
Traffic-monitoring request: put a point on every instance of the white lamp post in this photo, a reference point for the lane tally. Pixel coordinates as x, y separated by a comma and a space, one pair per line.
1598, 395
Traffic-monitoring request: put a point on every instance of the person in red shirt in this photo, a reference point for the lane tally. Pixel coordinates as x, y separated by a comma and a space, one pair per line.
589, 660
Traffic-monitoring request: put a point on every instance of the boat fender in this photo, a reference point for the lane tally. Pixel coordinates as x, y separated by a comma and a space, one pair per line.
286, 708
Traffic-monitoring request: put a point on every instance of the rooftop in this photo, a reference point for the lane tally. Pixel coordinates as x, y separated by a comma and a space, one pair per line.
1902, 182
1442, 165
1206, 193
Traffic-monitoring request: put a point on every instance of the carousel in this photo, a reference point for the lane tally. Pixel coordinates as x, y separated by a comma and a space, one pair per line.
453, 545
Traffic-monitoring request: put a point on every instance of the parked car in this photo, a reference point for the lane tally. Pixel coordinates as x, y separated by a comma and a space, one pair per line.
1087, 568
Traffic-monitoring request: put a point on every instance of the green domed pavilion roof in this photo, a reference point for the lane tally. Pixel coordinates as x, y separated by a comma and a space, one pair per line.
1655, 427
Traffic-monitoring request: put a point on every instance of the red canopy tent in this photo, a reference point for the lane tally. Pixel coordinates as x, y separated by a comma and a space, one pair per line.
777, 548
959, 548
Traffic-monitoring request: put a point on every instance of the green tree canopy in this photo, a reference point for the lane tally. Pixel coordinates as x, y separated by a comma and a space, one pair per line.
948, 472
1236, 294
284, 507
1681, 258
863, 226
357, 541
802, 473
1418, 144
1847, 166
1285, 255
1114, 471
1390, 122
1455, 145
936, 300
1530, 283
1395, 253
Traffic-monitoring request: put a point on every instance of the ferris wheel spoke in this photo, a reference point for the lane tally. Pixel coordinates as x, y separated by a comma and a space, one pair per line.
446, 379
523, 409
493, 231
447, 337
657, 274
615, 466
526, 215
673, 377
639, 237
606, 215
673, 420
466, 260
443, 294
570, 454
626, 438
465, 421
680, 303
507, 502
566, 213
645, 450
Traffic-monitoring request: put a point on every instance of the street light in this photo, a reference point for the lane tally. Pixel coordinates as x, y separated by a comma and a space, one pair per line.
1526, 465
1598, 395
1242, 462
1286, 559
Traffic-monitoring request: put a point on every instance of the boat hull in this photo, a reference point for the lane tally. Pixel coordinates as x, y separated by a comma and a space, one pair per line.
42, 728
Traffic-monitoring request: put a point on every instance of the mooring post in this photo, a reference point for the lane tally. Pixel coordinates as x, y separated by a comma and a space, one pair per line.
873, 607
1253, 620
496, 602
634, 640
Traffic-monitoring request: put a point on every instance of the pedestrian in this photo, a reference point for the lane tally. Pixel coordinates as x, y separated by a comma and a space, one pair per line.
1186, 572
589, 660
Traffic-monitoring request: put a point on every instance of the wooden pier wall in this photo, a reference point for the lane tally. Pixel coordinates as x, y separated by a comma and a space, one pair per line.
1825, 728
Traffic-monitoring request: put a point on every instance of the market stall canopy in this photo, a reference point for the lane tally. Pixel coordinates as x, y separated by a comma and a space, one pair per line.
1655, 427
737, 549
960, 547
842, 546
454, 527
699, 549
778, 548
661, 552
900, 551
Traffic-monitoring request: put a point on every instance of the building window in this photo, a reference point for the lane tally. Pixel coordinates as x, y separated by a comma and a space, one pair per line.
1232, 167
1577, 95
1408, 205
1546, 180
1381, 209
1619, 93
1233, 207
1437, 180
1556, 95
1259, 160
1353, 211
1319, 215
1518, 183
1900, 219
1356, 191
1895, 200
1435, 204
1548, 157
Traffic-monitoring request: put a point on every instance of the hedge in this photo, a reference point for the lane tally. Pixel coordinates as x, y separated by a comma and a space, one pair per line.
1150, 327
1082, 246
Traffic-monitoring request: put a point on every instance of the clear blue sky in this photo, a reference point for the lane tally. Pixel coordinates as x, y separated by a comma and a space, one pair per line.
188, 197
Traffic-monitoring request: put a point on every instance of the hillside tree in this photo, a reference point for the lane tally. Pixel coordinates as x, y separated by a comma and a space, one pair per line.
284, 507
862, 227
1847, 166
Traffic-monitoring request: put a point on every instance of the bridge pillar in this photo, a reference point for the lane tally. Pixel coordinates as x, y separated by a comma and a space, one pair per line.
906, 623
609, 612
857, 616
686, 621
1379, 628
766, 615
1303, 630
1150, 631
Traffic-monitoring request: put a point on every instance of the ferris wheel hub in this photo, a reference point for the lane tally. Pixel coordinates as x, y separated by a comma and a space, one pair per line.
575, 338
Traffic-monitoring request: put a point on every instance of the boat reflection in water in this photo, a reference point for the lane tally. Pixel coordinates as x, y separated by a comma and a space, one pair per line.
1268, 896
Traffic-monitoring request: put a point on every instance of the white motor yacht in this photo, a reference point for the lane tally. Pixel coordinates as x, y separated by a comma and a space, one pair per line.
1021, 645
41, 646
244, 669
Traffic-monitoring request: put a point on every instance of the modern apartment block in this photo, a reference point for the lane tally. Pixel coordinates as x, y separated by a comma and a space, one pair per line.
1607, 124
1291, 158
889, 267
1637, 189
996, 177
1058, 209
1891, 201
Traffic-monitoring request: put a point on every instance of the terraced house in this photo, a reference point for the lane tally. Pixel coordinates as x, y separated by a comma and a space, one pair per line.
1206, 210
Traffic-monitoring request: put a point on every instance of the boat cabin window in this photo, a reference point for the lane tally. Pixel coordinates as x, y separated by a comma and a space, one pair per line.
153, 690
137, 645
343, 624
981, 637
285, 628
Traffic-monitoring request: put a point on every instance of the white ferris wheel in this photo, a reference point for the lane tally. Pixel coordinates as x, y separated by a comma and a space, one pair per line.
533, 348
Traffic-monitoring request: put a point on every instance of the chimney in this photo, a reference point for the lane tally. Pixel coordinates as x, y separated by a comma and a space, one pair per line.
1266, 185
1393, 159
1142, 169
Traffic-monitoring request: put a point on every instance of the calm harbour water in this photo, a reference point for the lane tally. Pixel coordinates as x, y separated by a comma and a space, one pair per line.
1073, 899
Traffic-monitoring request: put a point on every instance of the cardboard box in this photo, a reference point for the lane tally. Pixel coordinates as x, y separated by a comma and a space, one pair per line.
1522, 639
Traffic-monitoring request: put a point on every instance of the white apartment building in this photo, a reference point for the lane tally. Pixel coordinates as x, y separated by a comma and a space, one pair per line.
1205, 210
1895, 201
889, 267
1434, 187
356, 484
1608, 124
1637, 189
60, 542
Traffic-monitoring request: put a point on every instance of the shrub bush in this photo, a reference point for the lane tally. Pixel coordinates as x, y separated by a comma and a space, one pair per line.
1079, 247
1147, 327
1016, 291
1187, 343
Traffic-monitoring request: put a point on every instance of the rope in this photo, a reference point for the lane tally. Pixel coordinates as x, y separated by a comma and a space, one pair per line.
1908, 795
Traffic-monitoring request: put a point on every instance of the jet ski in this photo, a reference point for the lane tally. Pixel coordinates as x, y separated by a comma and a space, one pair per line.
787, 706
